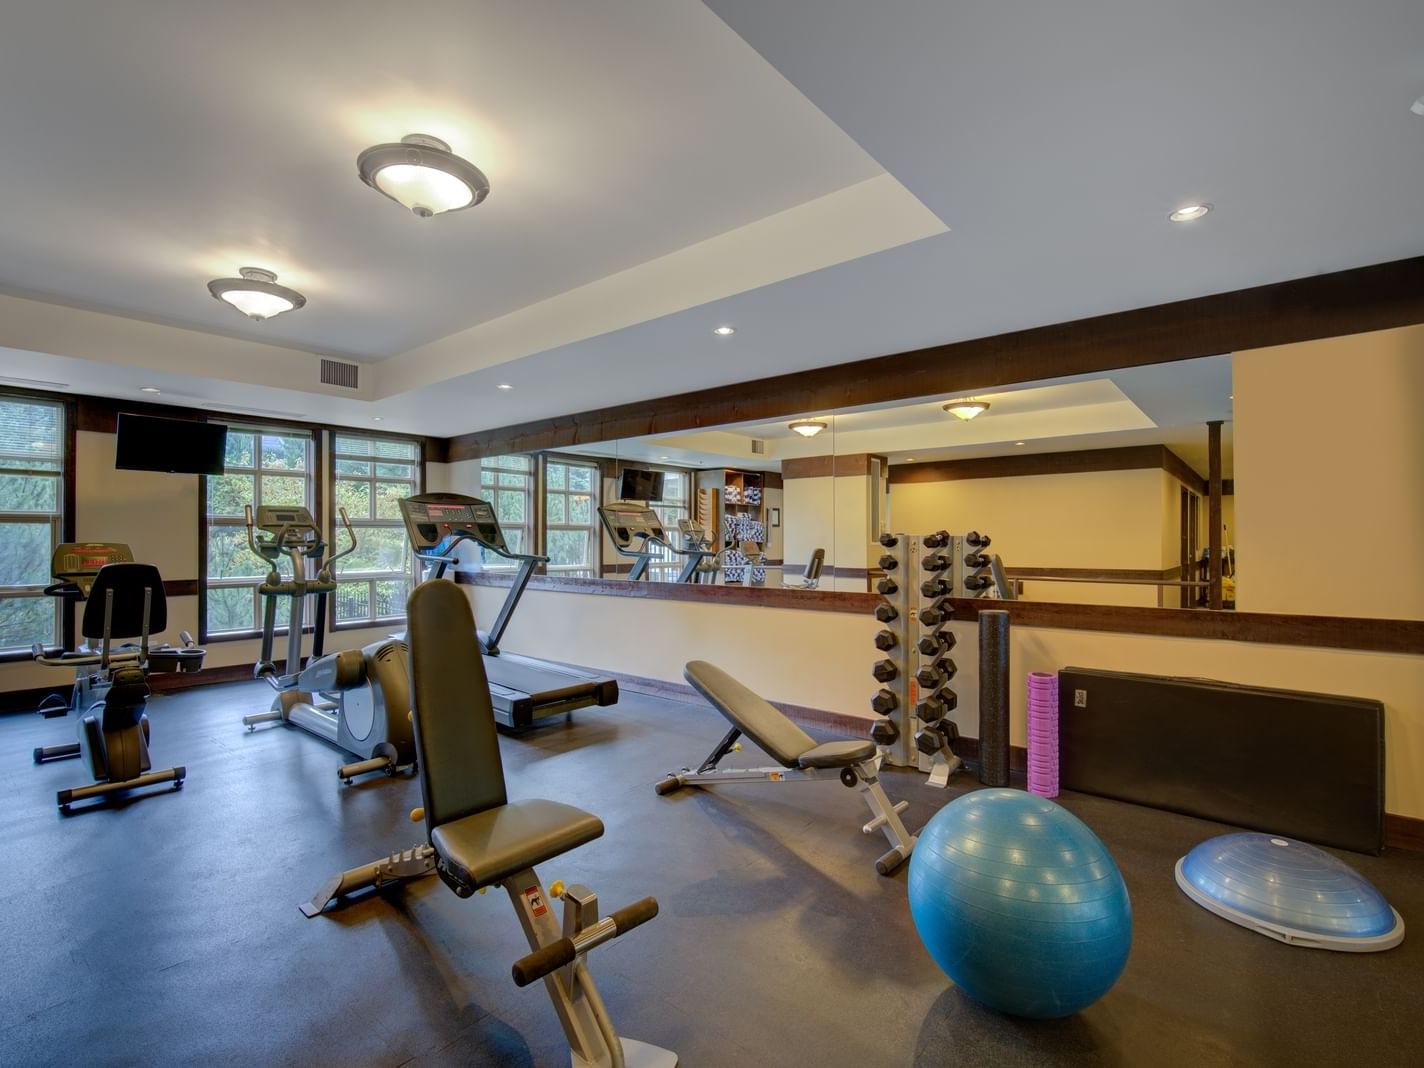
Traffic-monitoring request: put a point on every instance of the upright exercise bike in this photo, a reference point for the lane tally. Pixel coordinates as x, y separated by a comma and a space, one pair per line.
357, 699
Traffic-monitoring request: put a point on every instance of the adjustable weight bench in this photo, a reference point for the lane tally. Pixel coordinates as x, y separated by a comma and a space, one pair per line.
801, 758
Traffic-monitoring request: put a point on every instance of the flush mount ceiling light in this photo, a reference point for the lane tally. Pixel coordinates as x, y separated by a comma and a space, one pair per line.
1418, 106
966, 409
807, 428
504, 386
724, 331
422, 174
256, 294
1189, 212
149, 389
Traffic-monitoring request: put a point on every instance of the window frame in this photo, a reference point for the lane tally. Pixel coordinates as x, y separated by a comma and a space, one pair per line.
594, 527
205, 521
61, 523
333, 523
533, 510
671, 513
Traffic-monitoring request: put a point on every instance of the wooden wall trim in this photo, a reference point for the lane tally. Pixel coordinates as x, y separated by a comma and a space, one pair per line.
763, 596
1304, 309
1126, 458
1119, 574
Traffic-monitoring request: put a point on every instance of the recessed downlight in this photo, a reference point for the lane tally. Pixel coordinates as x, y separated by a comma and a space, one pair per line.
149, 389
1018, 443
422, 174
724, 331
375, 418
504, 386
1189, 212
256, 293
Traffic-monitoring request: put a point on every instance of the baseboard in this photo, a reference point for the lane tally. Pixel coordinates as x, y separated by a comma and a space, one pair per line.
1403, 832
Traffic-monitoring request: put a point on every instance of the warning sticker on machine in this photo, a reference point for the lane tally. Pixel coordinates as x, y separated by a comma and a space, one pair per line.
535, 901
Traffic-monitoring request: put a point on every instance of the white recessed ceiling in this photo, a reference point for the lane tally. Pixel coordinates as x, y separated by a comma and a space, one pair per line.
793, 168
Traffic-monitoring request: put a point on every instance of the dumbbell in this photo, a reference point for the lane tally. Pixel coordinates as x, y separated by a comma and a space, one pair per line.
884, 732
889, 540
929, 741
884, 702
933, 676
976, 560
888, 563
949, 731
934, 562
885, 671
935, 614
932, 644
950, 700
938, 540
886, 613
979, 541
934, 587
931, 709
974, 582
887, 587
885, 640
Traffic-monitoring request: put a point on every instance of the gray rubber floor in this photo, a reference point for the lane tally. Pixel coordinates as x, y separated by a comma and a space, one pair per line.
166, 930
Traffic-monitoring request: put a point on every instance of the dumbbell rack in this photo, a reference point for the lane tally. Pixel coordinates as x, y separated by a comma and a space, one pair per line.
922, 573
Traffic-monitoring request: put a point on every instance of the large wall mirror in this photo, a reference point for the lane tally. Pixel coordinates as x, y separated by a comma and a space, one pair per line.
1093, 489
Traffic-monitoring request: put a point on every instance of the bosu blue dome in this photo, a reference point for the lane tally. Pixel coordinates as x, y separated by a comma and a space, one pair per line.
1020, 904
1289, 891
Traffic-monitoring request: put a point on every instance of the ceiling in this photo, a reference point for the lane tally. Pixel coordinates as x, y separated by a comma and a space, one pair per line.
836, 179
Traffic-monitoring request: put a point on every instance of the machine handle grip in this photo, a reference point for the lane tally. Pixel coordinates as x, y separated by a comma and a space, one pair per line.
351, 536
556, 955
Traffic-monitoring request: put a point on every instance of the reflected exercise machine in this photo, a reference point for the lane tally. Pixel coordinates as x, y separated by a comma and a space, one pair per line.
638, 533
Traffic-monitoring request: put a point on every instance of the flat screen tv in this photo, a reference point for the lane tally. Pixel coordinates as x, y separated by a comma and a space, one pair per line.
640, 485
177, 446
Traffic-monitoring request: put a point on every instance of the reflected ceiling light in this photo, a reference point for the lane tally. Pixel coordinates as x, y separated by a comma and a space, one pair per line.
909, 459
1189, 212
149, 389
807, 428
1018, 443
422, 174
1418, 106
375, 418
504, 386
256, 294
966, 409
724, 331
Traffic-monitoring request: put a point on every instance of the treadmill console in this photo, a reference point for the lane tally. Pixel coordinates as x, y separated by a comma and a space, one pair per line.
435, 521
75, 565
632, 526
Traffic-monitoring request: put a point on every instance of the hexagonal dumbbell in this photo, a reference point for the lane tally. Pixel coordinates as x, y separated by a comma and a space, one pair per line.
885, 640
977, 540
930, 710
949, 699
934, 562
933, 644
929, 741
934, 675
938, 540
977, 582
885, 671
947, 667
934, 587
949, 731
976, 560
884, 732
889, 540
888, 563
886, 613
884, 702
887, 587
935, 614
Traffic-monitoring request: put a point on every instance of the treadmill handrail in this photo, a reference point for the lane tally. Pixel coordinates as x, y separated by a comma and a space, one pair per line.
489, 640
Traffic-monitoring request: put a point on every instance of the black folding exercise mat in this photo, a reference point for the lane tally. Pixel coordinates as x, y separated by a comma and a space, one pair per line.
1304, 765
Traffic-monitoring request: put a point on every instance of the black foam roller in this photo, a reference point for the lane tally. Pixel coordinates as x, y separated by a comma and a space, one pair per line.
994, 697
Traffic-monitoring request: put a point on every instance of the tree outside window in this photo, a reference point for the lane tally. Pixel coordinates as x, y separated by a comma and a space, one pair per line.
571, 517
370, 476
31, 518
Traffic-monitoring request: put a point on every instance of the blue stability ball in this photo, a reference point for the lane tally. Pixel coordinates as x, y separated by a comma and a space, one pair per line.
1020, 904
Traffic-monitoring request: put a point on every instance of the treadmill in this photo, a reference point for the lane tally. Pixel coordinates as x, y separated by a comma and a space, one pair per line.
526, 691
637, 533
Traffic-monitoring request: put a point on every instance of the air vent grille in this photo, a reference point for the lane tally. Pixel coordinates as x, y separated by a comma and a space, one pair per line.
336, 373
758, 446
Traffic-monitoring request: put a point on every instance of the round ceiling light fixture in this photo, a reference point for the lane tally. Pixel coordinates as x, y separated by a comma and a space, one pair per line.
1189, 212
256, 294
504, 386
149, 389
724, 331
966, 409
807, 428
422, 174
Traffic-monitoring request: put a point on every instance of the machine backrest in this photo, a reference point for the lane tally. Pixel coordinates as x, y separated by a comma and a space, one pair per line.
812, 574
755, 717
455, 737
128, 581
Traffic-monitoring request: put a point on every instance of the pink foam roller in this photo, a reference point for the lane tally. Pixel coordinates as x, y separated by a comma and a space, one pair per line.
1043, 733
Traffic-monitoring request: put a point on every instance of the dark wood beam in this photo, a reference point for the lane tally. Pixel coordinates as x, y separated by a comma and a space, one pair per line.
1305, 309
1213, 541
1019, 465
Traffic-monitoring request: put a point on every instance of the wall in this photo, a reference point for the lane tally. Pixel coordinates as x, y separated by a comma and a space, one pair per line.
1090, 519
157, 516
823, 659
1329, 462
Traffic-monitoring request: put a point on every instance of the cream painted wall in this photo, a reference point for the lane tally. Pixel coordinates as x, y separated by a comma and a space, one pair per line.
1328, 437
823, 659
808, 519
1094, 519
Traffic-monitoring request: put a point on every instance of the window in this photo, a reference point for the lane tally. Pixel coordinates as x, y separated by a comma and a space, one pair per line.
369, 478
674, 506
570, 517
507, 482
31, 518
260, 467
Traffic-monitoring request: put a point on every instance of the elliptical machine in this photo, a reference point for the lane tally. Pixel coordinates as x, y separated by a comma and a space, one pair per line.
357, 699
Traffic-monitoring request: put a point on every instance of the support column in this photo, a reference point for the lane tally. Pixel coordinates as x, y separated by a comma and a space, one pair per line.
1213, 445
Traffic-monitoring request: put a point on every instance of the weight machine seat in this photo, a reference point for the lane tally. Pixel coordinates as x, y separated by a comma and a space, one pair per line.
490, 846
768, 727
480, 836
